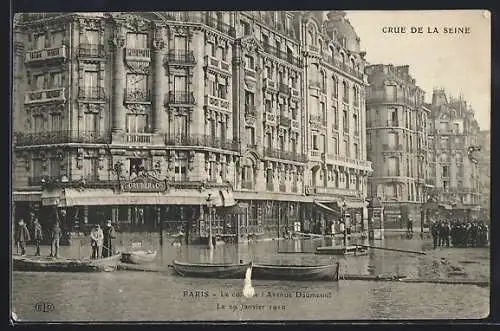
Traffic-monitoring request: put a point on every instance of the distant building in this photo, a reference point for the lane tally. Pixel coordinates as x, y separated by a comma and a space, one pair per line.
138, 117
484, 141
397, 143
453, 129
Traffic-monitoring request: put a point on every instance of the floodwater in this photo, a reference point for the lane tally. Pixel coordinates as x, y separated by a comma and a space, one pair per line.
152, 296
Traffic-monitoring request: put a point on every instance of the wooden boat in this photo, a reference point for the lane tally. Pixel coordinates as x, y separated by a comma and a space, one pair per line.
341, 250
328, 272
65, 265
139, 257
209, 270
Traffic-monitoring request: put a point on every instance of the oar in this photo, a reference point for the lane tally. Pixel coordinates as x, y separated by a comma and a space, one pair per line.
392, 249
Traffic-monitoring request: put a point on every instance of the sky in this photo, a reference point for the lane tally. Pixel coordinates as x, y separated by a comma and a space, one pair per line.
459, 63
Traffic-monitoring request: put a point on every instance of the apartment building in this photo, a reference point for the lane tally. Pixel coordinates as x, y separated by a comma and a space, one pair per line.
397, 143
455, 171
165, 116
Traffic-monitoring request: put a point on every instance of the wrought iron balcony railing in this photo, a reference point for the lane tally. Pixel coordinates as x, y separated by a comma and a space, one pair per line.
63, 137
200, 140
180, 56
91, 93
285, 56
285, 121
91, 50
53, 53
317, 119
46, 95
184, 98
220, 26
284, 155
141, 54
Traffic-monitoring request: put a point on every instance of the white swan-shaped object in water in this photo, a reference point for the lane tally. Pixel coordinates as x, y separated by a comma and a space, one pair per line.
248, 290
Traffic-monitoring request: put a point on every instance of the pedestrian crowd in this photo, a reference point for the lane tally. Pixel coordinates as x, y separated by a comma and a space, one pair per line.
459, 233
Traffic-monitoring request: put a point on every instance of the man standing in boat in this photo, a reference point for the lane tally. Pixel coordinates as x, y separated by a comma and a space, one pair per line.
22, 236
37, 235
109, 234
96, 241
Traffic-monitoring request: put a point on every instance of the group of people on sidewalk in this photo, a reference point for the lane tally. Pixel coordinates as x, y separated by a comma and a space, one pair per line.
462, 234
23, 236
100, 240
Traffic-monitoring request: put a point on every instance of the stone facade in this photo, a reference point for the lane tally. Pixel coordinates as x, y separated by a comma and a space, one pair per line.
202, 100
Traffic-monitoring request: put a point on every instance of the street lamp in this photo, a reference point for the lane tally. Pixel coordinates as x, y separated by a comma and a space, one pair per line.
344, 206
209, 205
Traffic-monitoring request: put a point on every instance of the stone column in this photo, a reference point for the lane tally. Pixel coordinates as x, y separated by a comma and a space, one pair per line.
118, 112
159, 115
197, 45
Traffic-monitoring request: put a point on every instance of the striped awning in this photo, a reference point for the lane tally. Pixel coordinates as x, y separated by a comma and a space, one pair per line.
26, 196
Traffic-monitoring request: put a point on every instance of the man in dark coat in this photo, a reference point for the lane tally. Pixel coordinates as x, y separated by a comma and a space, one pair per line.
55, 238
435, 233
37, 235
22, 236
109, 234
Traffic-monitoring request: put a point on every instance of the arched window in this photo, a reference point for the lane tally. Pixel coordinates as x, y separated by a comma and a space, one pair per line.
355, 92
315, 72
353, 65
345, 88
343, 57
309, 37
320, 42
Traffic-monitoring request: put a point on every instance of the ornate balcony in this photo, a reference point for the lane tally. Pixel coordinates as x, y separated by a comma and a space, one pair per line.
285, 121
54, 53
137, 95
91, 93
220, 26
312, 48
294, 124
217, 64
63, 137
284, 155
316, 153
270, 118
295, 92
250, 73
218, 103
138, 54
180, 98
319, 119
139, 138
180, 57
284, 88
91, 51
285, 56
200, 140
250, 111
47, 95
269, 84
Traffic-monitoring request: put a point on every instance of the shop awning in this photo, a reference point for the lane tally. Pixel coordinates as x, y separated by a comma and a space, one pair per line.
26, 196
52, 197
327, 209
101, 197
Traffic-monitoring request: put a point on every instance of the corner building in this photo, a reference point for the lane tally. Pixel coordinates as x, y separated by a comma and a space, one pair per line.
153, 117
397, 144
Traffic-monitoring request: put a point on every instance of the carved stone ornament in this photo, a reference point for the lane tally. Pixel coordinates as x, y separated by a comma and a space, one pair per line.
134, 23
250, 44
139, 66
181, 30
118, 41
250, 83
158, 44
91, 24
137, 108
250, 120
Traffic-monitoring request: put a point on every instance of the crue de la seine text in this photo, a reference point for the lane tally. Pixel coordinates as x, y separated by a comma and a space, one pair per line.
426, 30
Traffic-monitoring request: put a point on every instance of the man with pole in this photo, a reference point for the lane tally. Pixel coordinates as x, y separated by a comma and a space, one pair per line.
209, 205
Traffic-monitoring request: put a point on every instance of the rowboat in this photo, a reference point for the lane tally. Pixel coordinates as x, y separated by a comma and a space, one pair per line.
65, 264
341, 250
209, 270
296, 272
139, 257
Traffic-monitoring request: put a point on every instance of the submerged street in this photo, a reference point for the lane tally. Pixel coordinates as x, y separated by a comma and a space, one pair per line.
140, 296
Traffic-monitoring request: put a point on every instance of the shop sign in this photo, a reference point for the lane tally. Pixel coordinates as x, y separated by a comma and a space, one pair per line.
144, 184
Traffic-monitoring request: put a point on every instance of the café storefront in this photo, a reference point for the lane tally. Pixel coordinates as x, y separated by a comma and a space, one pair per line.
136, 205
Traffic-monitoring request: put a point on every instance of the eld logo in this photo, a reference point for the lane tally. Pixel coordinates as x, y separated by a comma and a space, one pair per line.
44, 307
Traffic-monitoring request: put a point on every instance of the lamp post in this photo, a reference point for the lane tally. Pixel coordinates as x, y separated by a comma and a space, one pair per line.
209, 205
344, 206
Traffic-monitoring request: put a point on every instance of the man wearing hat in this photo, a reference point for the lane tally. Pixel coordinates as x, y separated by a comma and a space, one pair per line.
22, 236
109, 233
37, 235
96, 241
